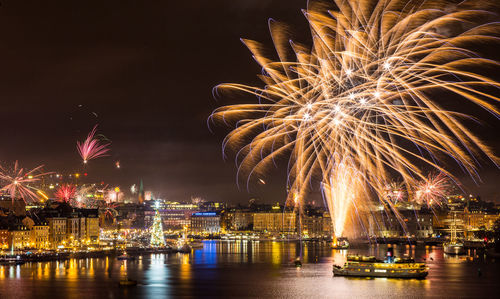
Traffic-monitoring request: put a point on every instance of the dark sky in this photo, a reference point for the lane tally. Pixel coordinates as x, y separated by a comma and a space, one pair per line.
147, 69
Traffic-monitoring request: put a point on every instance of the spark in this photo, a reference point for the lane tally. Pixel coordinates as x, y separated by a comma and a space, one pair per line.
91, 148
432, 190
19, 183
66, 192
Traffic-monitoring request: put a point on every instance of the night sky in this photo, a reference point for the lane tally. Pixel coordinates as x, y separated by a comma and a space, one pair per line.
146, 69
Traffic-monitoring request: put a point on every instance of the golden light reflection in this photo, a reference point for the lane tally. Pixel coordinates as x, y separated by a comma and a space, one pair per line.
185, 268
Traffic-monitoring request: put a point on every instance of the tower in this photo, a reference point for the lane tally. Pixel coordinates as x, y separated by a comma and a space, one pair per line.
141, 193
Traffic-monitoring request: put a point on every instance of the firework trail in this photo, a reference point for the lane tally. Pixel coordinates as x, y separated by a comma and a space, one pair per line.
18, 182
341, 188
65, 193
91, 147
363, 92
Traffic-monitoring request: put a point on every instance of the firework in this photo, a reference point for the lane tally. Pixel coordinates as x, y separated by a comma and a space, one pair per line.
19, 183
133, 189
395, 192
363, 92
432, 190
341, 189
91, 147
66, 192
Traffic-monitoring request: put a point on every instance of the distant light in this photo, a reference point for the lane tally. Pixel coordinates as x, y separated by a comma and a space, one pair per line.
117, 189
30, 177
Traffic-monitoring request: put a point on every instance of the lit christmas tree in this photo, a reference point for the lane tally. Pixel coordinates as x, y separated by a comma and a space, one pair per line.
157, 238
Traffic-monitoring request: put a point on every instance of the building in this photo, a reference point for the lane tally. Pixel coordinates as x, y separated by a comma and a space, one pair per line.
92, 229
73, 230
313, 225
19, 237
4, 238
206, 222
39, 237
275, 221
408, 223
57, 231
242, 220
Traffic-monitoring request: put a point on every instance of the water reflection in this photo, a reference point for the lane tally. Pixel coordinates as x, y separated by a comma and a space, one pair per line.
251, 269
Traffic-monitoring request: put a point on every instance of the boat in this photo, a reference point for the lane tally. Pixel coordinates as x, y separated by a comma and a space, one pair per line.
340, 243
125, 257
391, 267
454, 246
12, 260
126, 282
297, 262
196, 244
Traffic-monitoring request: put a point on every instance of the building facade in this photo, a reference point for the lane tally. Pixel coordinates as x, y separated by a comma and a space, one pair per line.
275, 222
206, 223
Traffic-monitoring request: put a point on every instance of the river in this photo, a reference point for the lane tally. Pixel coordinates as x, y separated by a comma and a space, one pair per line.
250, 269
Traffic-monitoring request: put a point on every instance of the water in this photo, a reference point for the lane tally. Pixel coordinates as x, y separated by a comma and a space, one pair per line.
249, 269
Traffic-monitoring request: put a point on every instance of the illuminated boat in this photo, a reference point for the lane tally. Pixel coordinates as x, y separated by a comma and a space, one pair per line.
392, 267
454, 248
340, 243
125, 257
11, 260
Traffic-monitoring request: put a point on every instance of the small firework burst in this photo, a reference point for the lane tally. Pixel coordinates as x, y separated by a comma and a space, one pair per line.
66, 192
433, 190
395, 192
91, 147
19, 183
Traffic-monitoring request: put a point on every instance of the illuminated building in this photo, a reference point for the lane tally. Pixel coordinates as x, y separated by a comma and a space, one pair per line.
91, 226
413, 223
176, 215
242, 220
73, 230
39, 237
313, 225
206, 222
275, 221
4, 238
57, 231
19, 237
